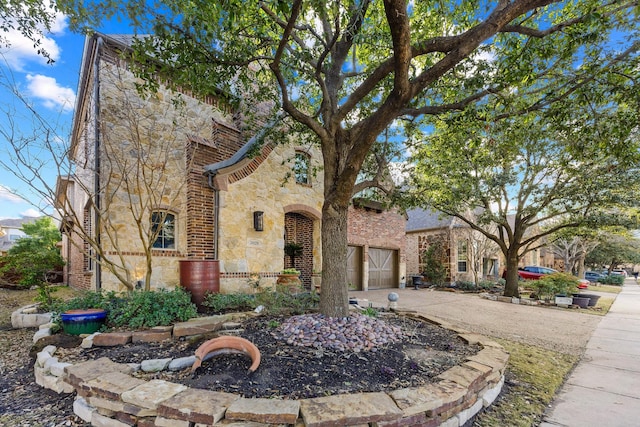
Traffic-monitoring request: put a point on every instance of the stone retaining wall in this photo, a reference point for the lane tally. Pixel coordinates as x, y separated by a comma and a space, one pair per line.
108, 396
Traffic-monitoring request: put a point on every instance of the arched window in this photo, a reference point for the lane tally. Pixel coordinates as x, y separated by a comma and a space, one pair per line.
301, 168
163, 228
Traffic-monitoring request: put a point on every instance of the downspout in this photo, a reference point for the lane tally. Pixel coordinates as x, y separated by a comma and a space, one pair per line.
216, 215
96, 153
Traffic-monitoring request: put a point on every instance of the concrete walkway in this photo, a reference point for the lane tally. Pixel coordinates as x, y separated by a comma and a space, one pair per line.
604, 388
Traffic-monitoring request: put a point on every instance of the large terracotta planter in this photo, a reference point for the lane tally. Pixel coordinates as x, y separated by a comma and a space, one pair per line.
79, 322
290, 281
200, 277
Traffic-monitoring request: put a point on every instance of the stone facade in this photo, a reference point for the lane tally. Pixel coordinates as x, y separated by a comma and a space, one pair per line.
170, 138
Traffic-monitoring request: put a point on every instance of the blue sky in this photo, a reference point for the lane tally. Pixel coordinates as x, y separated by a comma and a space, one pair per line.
51, 91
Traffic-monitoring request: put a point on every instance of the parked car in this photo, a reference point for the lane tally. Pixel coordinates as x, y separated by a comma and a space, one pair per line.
620, 271
534, 272
593, 276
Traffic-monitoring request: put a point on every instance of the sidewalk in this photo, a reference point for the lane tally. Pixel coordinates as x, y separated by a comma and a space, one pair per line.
604, 388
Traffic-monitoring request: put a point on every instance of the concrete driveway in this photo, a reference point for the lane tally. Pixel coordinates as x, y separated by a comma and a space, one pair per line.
564, 330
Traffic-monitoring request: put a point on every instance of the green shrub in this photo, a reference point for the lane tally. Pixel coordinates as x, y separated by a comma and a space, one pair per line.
138, 309
550, 285
282, 301
486, 284
465, 285
612, 279
222, 303
146, 309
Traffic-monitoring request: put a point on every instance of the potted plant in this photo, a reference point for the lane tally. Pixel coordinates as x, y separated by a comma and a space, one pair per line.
290, 279
293, 250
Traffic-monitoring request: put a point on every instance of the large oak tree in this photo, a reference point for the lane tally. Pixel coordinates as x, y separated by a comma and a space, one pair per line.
346, 70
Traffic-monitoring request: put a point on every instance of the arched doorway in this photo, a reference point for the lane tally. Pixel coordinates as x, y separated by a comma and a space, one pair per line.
298, 229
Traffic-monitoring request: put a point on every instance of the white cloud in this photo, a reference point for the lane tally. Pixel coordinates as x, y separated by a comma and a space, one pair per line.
6, 195
30, 213
21, 50
52, 95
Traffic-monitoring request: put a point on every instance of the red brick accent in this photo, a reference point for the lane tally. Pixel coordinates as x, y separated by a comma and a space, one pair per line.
377, 228
299, 229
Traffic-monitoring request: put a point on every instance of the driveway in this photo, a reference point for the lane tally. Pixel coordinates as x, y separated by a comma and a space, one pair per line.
558, 329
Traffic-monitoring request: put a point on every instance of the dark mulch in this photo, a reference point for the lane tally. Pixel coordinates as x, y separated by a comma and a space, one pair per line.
300, 372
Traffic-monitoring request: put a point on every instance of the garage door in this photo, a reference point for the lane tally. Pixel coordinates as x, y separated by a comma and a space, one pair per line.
354, 267
382, 268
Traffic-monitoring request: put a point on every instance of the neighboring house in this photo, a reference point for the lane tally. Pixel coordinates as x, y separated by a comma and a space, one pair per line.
218, 198
376, 256
12, 231
465, 252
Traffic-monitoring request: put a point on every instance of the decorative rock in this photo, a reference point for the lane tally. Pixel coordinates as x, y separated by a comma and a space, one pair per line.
155, 365
88, 341
150, 336
393, 297
491, 394
41, 334
86, 371
199, 326
349, 409
152, 393
112, 339
82, 409
197, 406
181, 363
42, 358
360, 331
48, 363
268, 411
98, 420
57, 369
111, 385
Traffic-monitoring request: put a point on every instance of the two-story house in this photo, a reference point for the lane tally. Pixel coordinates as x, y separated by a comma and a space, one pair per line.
168, 177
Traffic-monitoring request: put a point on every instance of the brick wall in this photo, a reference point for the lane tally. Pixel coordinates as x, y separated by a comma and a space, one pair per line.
299, 229
377, 228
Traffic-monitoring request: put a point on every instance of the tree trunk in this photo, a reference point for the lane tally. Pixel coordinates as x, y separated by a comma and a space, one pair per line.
334, 297
512, 285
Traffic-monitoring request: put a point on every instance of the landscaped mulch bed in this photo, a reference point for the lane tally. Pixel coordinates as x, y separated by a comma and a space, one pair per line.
303, 372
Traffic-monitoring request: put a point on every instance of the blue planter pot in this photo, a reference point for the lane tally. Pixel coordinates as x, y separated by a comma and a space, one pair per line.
78, 322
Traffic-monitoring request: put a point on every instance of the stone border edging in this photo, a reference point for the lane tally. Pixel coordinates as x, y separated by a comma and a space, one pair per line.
107, 395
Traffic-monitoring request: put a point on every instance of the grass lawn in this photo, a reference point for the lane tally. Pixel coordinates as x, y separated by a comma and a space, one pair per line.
605, 288
533, 377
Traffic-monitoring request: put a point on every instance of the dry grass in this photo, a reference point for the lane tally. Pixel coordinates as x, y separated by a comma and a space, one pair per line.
605, 288
534, 375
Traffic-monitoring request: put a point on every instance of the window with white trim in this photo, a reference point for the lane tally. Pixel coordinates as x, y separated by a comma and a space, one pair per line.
301, 168
163, 227
463, 248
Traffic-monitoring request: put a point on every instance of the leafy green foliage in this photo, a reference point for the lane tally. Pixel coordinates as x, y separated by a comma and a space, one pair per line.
346, 72
612, 279
138, 309
278, 301
433, 268
550, 285
222, 303
34, 257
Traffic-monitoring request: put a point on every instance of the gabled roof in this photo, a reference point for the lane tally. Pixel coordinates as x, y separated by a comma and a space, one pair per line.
427, 219
17, 222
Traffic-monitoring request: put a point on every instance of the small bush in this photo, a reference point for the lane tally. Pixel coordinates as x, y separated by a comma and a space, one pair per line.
222, 303
138, 309
465, 285
550, 285
278, 301
612, 279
